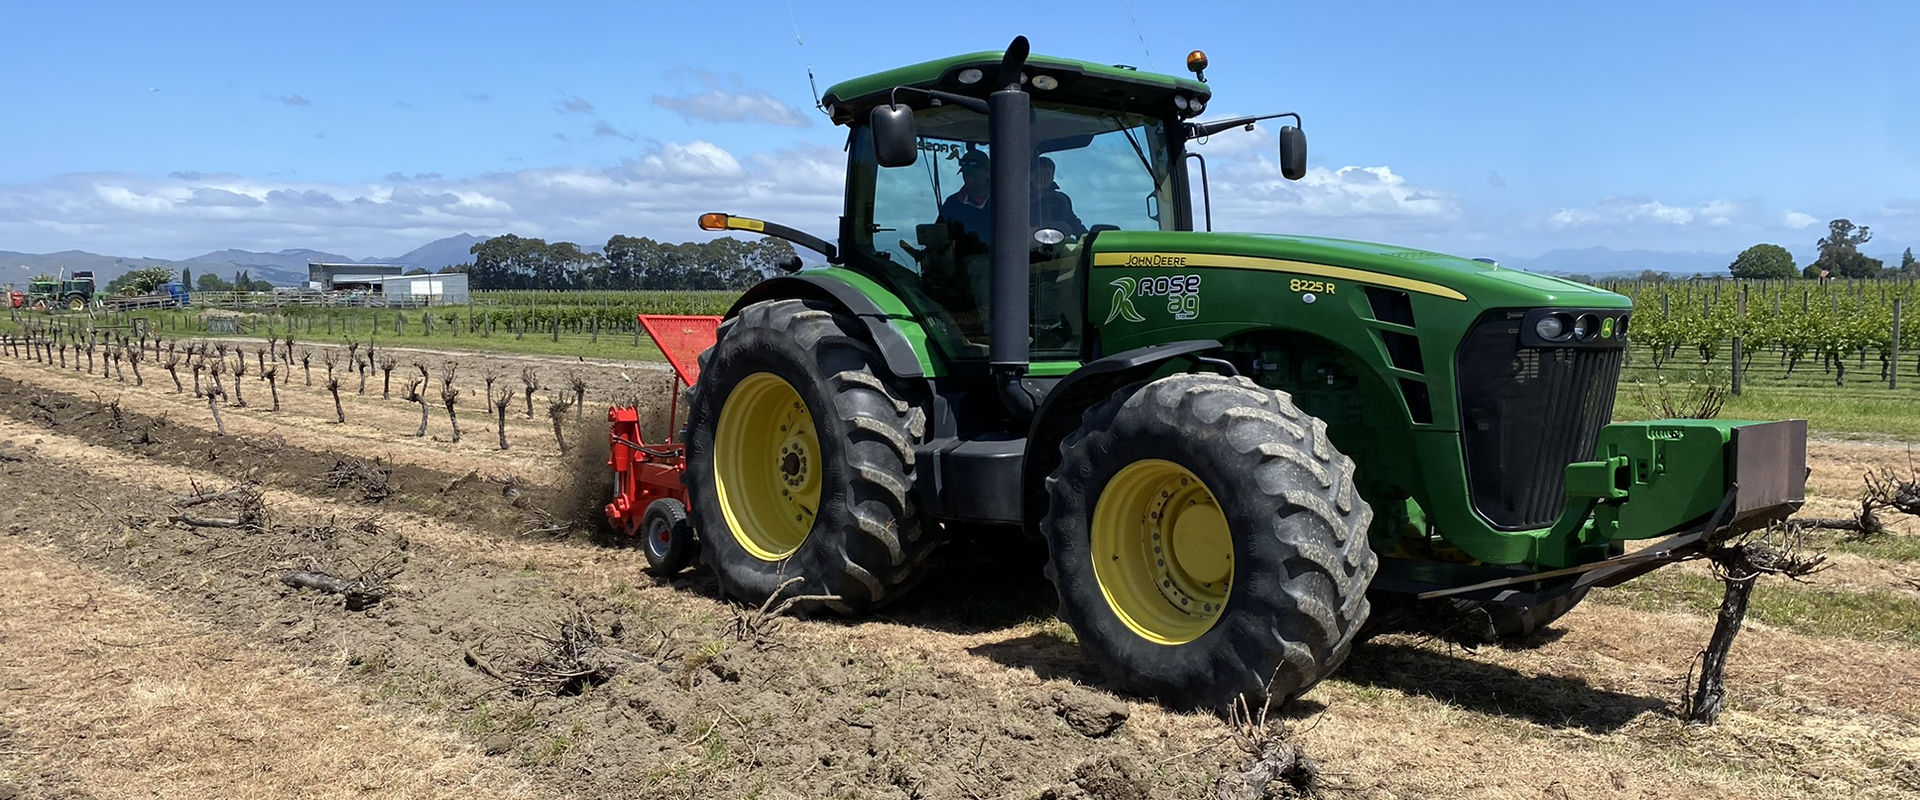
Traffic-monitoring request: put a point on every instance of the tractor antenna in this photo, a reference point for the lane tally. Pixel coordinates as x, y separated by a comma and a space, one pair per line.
802, 44
1143, 36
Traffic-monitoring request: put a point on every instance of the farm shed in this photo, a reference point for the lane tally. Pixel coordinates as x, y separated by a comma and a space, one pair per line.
327, 277
425, 290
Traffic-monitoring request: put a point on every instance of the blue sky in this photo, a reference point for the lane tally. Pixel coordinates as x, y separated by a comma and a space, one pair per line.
370, 128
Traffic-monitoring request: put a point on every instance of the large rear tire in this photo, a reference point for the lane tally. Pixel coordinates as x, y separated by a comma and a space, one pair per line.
800, 461
1207, 542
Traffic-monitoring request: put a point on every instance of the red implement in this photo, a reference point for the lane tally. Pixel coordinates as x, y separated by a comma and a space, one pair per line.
682, 339
647, 473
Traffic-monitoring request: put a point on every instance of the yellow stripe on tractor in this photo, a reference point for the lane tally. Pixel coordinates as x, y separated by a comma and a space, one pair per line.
1205, 260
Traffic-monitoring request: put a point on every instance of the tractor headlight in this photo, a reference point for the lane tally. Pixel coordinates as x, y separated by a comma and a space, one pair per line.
1046, 83
1552, 327
1586, 326
970, 75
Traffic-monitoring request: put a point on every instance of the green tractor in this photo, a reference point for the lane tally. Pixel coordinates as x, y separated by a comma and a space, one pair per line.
72, 294
1234, 445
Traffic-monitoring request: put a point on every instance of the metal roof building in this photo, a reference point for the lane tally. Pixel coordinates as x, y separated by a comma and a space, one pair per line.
330, 276
424, 290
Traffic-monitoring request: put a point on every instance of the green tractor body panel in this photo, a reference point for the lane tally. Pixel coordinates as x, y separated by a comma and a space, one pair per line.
899, 317
1364, 336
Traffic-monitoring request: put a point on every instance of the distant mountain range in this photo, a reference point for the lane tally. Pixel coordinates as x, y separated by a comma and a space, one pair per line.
287, 267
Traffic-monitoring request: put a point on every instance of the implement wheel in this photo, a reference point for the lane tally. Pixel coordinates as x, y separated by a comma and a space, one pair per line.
800, 460
667, 537
1207, 542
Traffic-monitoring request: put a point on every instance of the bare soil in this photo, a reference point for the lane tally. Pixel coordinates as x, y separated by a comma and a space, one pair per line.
147, 657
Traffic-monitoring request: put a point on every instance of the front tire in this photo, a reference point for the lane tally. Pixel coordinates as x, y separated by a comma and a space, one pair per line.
800, 461
1208, 542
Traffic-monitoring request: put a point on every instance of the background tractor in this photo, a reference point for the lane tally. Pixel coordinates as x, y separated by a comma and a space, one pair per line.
1234, 445
72, 294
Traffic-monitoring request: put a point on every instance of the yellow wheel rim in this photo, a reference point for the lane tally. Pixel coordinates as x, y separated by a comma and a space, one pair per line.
766, 466
1162, 551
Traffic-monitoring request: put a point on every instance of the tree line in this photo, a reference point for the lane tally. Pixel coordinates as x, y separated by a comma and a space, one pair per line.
147, 280
1839, 257
626, 263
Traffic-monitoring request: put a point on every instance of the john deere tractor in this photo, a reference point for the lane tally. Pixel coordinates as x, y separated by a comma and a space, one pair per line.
1233, 444
73, 294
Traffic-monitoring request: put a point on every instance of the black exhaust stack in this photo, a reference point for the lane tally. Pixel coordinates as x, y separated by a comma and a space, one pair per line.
1011, 129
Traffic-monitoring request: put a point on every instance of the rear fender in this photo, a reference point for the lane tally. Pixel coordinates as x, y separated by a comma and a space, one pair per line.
902, 359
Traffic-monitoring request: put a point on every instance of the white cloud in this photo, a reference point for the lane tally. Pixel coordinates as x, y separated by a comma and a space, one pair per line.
1350, 202
725, 100
1362, 202
1617, 211
604, 129
1799, 221
658, 192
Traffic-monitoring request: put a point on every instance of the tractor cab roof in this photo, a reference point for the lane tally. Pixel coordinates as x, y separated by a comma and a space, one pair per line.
1079, 82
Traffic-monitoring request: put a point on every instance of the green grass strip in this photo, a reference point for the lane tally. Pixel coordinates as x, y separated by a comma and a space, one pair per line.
1810, 609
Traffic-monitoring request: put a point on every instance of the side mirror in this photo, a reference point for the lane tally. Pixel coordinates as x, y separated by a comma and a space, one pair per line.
1293, 152
895, 144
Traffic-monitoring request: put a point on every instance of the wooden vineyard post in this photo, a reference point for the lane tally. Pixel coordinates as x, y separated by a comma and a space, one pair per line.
1738, 350
1893, 375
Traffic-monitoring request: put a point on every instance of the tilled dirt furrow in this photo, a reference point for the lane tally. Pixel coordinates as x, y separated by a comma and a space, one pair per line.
114, 696
859, 707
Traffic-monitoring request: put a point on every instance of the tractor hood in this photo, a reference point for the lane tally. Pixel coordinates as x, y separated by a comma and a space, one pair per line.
1480, 283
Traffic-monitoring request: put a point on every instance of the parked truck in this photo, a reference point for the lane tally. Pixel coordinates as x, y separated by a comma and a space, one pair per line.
166, 295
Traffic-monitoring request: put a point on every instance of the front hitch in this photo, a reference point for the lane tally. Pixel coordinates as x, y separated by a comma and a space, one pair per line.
1696, 482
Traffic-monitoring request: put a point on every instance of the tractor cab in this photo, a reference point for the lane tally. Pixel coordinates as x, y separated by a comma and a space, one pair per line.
927, 229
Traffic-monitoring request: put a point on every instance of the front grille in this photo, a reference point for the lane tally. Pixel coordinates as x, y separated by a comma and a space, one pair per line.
1525, 414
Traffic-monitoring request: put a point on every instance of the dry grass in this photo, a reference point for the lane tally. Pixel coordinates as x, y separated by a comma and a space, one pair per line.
108, 691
